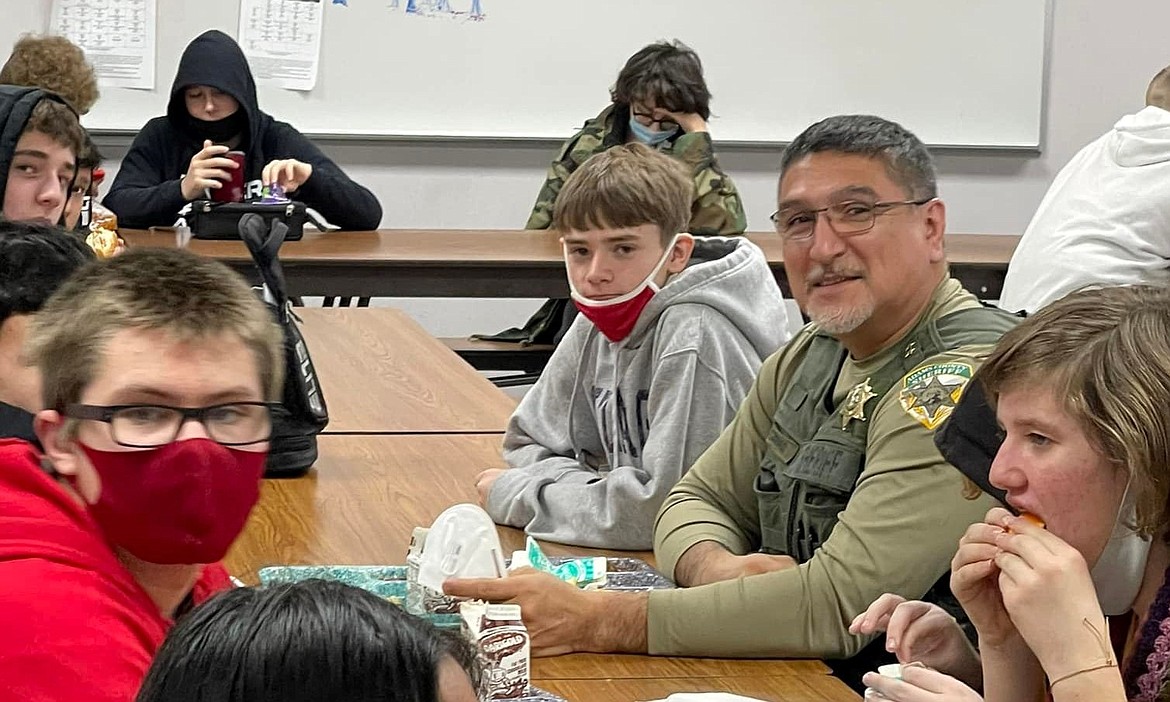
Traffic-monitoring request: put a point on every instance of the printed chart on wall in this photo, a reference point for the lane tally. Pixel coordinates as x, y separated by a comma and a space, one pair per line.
118, 37
282, 40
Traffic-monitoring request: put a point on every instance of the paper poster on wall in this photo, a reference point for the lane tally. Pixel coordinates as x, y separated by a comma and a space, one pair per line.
450, 9
282, 40
118, 37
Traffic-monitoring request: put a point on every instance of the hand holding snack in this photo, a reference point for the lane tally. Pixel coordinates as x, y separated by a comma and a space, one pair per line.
1049, 595
975, 580
103, 233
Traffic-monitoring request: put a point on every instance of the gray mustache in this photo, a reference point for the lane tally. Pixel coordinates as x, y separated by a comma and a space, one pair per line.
817, 275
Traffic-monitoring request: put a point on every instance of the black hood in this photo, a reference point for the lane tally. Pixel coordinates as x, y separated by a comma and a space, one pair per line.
213, 58
16, 106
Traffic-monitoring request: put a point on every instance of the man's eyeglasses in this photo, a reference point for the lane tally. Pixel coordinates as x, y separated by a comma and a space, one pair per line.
646, 119
150, 426
846, 218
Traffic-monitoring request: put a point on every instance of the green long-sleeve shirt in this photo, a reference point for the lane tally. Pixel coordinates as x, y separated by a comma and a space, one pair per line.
897, 534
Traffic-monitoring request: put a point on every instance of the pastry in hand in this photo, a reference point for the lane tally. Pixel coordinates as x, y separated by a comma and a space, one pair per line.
104, 242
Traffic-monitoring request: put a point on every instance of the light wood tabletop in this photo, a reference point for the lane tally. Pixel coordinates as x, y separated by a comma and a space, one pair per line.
382, 373
367, 492
497, 262
776, 688
364, 495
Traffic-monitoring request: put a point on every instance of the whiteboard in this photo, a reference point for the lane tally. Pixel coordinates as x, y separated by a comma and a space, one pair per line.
964, 73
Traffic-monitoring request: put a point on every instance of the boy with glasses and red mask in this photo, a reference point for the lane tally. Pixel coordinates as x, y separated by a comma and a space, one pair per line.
158, 368
672, 331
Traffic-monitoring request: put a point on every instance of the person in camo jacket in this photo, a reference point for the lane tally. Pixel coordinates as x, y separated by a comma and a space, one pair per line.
661, 100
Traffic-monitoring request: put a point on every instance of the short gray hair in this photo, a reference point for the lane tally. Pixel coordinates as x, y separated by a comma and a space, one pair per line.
906, 159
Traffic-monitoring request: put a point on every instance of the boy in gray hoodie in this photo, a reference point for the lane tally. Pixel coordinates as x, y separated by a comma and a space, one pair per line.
671, 334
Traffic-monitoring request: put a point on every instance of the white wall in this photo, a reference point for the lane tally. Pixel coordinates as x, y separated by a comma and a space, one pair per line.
1102, 55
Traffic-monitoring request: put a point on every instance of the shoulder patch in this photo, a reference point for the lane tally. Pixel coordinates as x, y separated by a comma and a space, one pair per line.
930, 392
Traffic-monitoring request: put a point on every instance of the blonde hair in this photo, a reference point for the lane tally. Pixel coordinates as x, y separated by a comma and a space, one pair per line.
626, 186
1105, 354
173, 291
52, 63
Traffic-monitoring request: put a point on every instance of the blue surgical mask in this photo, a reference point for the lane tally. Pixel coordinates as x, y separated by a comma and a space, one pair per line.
648, 136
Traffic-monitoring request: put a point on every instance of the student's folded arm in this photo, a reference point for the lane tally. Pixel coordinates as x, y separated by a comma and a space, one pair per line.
717, 207
687, 407
715, 501
340, 199
541, 438
141, 195
897, 534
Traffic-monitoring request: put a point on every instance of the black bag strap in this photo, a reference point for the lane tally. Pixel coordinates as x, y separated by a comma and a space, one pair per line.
265, 249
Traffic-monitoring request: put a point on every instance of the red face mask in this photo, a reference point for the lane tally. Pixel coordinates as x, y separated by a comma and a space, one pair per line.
616, 318
185, 502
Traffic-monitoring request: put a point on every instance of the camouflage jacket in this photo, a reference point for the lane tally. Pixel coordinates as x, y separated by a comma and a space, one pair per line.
717, 208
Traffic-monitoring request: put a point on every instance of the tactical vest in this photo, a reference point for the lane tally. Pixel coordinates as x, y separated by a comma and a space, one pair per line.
813, 458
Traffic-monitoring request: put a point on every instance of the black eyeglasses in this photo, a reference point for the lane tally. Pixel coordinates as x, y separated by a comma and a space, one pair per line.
846, 218
150, 426
646, 119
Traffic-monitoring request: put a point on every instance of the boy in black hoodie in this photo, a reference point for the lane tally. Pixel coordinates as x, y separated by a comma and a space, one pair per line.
212, 110
40, 138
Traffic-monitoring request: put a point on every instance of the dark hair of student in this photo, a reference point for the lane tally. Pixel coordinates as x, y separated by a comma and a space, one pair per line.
35, 259
906, 159
667, 74
301, 642
89, 156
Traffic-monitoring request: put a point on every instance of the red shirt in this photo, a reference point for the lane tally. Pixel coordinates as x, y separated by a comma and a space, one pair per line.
74, 623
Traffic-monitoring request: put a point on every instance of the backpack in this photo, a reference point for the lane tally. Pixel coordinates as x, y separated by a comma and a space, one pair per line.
302, 413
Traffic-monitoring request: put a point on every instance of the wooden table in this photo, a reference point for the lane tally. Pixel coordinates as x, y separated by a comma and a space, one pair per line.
778, 688
382, 373
365, 494
498, 263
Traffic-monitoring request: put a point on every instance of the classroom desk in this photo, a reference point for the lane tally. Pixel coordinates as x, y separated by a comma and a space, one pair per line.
498, 263
382, 373
779, 688
363, 497
366, 493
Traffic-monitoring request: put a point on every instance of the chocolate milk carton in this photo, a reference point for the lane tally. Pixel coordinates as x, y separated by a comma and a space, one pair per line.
504, 650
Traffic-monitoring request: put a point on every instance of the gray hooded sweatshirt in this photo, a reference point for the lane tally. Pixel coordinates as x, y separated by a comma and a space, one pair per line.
599, 441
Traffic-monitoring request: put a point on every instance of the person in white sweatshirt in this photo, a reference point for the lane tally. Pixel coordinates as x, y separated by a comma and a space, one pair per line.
1106, 218
672, 331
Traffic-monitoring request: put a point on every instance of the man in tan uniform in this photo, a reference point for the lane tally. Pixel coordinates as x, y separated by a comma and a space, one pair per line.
826, 490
